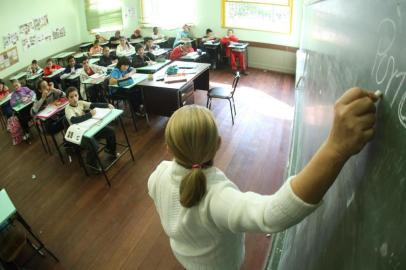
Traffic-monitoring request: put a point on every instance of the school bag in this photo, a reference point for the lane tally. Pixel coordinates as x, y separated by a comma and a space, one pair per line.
14, 127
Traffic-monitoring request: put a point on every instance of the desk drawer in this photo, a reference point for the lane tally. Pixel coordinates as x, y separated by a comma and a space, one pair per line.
188, 99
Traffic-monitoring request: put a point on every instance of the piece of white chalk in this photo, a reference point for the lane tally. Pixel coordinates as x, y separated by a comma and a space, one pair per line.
378, 93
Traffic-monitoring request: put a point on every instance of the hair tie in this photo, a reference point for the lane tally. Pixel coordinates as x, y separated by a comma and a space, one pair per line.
196, 166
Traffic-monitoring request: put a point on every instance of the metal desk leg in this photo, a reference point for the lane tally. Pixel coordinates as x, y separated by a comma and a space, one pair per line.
40, 135
28, 228
57, 148
126, 137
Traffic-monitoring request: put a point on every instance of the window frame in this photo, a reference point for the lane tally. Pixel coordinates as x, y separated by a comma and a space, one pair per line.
223, 15
105, 28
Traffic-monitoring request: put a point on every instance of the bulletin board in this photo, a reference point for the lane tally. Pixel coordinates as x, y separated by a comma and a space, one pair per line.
8, 58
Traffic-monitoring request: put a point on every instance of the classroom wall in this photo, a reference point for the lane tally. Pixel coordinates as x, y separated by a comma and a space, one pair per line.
209, 15
60, 13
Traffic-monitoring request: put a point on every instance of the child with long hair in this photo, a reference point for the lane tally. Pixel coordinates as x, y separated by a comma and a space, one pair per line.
205, 215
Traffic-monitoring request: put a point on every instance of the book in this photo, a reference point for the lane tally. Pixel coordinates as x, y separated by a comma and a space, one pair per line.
175, 78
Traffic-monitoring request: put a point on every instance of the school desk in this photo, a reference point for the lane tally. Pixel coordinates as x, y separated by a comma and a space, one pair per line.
192, 56
61, 58
150, 69
240, 47
113, 115
136, 41
3, 118
55, 73
8, 213
213, 48
84, 47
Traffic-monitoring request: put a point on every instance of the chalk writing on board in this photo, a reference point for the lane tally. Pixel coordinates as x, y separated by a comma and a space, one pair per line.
385, 64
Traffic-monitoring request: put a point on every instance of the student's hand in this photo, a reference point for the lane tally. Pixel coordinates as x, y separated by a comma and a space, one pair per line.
353, 126
44, 94
111, 106
93, 112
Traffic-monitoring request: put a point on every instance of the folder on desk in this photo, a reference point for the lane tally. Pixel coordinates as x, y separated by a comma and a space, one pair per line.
175, 78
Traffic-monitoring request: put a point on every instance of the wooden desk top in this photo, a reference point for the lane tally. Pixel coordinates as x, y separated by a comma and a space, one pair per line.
200, 68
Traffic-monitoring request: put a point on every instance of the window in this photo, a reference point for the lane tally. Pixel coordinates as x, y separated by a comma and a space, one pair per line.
103, 15
265, 15
168, 14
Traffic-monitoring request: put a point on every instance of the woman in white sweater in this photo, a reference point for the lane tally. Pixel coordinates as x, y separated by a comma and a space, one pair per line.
205, 215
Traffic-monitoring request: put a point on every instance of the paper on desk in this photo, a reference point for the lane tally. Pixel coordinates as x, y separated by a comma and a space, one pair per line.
88, 123
101, 113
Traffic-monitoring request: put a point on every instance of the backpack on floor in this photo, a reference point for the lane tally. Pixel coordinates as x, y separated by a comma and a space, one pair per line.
14, 127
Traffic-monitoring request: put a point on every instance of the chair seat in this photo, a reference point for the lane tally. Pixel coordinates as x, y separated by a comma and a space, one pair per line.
219, 92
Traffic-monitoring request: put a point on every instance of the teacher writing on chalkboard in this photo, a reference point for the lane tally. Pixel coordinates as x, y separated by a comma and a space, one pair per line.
205, 215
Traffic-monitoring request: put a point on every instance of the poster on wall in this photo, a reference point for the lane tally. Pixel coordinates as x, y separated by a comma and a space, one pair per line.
129, 12
40, 22
58, 33
27, 28
8, 58
10, 40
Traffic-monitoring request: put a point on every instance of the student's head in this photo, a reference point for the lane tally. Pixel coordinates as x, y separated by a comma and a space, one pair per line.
139, 48
2, 84
49, 62
85, 62
155, 30
71, 61
97, 37
16, 84
186, 45
43, 86
230, 32
117, 34
137, 32
192, 137
73, 95
148, 41
96, 43
186, 28
209, 32
123, 63
106, 51
34, 63
123, 41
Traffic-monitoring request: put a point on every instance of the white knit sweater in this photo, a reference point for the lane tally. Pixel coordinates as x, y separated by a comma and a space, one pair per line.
210, 235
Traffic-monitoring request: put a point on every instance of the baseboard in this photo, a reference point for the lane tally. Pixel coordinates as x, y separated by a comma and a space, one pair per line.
278, 68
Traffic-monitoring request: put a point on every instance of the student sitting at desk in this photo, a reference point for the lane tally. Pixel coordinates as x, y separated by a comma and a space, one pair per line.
183, 49
49, 95
212, 53
22, 95
184, 35
78, 111
141, 59
156, 34
123, 71
226, 41
51, 68
33, 69
4, 92
100, 38
96, 48
136, 34
107, 59
87, 71
115, 39
72, 66
124, 48
150, 47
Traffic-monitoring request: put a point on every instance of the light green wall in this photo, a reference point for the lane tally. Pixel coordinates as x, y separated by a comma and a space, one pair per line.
60, 13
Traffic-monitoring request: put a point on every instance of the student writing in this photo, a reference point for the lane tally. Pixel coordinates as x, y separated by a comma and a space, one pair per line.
205, 215
107, 58
78, 111
183, 49
33, 69
124, 48
141, 59
96, 48
87, 71
226, 41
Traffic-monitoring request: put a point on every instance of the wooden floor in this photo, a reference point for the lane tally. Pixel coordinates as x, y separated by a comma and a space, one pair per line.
90, 226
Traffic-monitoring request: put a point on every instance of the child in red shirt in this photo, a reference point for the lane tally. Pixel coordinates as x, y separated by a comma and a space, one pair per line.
50, 67
4, 92
225, 41
181, 50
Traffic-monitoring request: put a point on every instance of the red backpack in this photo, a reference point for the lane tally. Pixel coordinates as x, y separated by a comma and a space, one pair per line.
14, 127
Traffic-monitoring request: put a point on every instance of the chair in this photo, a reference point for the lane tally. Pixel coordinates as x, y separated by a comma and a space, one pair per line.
224, 93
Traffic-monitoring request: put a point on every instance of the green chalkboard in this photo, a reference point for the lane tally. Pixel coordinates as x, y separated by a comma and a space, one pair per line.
362, 221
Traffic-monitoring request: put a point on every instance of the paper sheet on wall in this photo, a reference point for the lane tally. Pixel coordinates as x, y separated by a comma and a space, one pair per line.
10, 40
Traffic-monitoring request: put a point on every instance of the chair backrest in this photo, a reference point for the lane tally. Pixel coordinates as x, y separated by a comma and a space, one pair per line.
235, 82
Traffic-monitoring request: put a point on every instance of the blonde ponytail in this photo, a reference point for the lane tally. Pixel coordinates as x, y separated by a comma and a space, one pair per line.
192, 137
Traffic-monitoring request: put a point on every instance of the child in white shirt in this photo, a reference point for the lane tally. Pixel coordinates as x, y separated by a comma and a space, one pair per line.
205, 215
